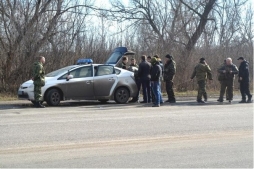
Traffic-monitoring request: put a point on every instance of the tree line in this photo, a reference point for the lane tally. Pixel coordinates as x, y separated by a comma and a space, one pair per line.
65, 30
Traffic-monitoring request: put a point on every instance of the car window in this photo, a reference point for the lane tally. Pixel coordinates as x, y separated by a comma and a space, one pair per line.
80, 73
85, 72
105, 70
60, 71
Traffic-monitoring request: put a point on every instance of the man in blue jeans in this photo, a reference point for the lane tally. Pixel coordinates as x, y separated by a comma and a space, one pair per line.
155, 80
145, 77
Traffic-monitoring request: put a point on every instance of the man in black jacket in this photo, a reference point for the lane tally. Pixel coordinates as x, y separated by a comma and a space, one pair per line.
156, 72
244, 80
145, 77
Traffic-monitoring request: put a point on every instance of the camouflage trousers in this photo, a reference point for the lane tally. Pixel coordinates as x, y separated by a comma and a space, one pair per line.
201, 89
37, 93
227, 85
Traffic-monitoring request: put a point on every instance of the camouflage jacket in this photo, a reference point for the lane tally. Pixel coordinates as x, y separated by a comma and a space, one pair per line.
228, 68
38, 74
122, 65
201, 72
169, 70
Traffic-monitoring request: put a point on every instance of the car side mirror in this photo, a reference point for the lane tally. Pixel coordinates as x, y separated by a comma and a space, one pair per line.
69, 77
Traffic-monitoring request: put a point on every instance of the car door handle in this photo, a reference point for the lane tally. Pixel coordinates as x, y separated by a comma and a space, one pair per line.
88, 82
110, 79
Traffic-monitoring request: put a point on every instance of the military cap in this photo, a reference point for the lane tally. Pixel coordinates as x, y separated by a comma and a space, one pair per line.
240, 58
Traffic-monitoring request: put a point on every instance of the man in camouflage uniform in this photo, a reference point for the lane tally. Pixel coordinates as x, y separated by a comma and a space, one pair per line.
134, 68
168, 76
201, 71
39, 81
229, 71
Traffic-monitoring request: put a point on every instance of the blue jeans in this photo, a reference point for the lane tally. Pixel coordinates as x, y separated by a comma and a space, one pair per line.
157, 92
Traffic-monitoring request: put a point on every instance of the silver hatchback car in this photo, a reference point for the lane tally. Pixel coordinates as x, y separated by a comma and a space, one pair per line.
85, 82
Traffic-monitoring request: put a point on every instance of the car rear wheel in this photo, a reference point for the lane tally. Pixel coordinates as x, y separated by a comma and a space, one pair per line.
53, 97
104, 100
122, 95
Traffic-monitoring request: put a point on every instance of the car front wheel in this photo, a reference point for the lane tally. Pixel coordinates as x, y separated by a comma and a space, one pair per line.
122, 95
53, 97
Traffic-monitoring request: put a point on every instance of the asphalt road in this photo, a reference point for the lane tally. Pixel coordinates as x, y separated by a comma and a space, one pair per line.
90, 134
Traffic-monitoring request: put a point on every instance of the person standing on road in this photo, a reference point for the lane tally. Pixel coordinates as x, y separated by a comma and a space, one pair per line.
155, 81
161, 75
244, 79
145, 77
221, 77
201, 72
39, 80
229, 71
134, 68
168, 77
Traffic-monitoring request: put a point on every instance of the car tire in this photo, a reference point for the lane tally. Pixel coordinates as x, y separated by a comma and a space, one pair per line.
53, 97
103, 100
122, 95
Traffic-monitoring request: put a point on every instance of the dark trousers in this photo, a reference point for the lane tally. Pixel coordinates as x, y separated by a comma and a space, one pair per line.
170, 91
229, 85
138, 83
245, 90
201, 89
37, 93
146, 86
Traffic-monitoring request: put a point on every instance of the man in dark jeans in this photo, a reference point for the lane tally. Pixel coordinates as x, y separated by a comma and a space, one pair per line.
156, 72
244, 80
145, 77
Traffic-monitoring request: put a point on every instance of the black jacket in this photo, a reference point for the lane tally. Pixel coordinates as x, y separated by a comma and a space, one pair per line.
156, 72
244, 71
144, 70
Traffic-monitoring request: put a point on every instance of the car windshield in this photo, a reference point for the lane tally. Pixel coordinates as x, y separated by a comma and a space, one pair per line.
114, 58
60, 71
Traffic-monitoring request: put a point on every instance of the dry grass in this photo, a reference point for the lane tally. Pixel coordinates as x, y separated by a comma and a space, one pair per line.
8, 97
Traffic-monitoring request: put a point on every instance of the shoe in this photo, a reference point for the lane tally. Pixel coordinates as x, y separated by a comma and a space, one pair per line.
167, 101
143, 102
173, 101
200, 101
219, 100
205, 100
242, 101
162, 102
230, 101
156, 105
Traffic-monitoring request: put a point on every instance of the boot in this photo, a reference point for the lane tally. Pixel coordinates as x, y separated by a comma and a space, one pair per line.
39, 105
200, 101
205, 97
249, 99
243, 101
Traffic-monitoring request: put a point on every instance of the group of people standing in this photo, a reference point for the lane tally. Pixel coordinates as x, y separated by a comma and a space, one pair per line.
226, 76
149, 74
151, 71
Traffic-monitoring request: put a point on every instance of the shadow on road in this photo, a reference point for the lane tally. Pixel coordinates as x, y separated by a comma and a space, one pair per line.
110, 104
